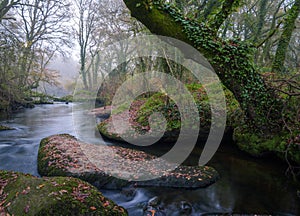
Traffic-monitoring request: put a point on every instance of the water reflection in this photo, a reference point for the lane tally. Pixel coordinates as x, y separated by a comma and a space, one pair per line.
246, 184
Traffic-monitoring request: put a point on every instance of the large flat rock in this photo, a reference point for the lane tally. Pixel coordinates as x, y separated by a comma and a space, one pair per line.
64, 155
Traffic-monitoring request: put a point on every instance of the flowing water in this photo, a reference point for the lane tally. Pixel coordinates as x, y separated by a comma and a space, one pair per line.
247, 185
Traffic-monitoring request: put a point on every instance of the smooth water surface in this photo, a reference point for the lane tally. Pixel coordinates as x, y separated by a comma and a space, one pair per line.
247, 185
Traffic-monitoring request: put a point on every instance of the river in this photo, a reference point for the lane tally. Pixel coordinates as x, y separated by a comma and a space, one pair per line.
247, 185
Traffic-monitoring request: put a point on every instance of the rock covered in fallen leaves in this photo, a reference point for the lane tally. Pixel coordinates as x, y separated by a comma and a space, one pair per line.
22, 194
64, 155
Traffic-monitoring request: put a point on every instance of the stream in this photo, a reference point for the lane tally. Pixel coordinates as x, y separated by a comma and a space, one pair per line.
247, 185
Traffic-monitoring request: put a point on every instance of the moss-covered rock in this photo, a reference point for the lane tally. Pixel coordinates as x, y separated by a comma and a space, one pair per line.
67, 98
63, 155
284, 145
142, 108
22, 194
2, 128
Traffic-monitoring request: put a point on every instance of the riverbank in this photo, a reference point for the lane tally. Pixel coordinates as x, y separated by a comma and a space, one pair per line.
284, 144
30, 100
246, 185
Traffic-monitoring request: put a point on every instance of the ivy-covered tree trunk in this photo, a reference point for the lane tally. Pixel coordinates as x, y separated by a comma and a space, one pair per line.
289, 26
227, 8
232, 60
261, 20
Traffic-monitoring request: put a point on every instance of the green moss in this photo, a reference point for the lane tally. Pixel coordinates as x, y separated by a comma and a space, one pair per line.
102, 128
121, 108
43, 161
148, 11
158, 103
232, 60
288, 29
28, 195
258, 145
2, 128
162, 104
67, 98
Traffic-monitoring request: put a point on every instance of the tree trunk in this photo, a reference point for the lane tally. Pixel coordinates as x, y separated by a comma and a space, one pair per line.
232, 61
228, 7
261, 20
289, 26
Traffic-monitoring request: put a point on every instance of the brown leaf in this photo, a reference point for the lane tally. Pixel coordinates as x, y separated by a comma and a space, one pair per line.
24, 192
1, 203
63, 191
8, 204
106, 204
26, 209
40, 186
93, 208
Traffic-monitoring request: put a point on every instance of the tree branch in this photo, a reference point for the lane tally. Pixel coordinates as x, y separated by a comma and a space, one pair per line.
227, 8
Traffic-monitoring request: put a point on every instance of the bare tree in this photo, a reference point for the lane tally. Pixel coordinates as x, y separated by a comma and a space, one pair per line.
99, 23
36, 33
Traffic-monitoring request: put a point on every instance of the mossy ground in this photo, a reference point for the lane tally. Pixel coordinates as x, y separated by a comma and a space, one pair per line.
2, 128
22, 194
281, 144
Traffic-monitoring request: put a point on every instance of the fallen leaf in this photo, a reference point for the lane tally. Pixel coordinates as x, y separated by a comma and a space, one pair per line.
8, 204
63, 191
93, 208
40, 186
26, 209
53, 193
152, 212
55, 184
1, 203
24, 192
106, 204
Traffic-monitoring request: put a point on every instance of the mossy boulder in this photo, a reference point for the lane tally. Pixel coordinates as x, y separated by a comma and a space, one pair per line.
67, 98
64, 155
23, 194
142, 108
283, 144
